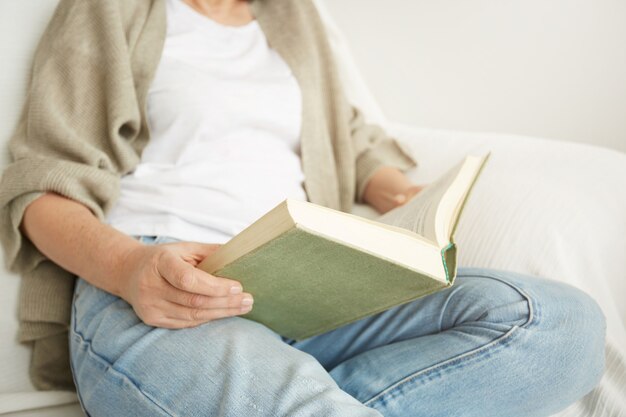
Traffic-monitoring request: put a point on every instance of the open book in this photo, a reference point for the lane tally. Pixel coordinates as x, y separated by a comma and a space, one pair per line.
312, 269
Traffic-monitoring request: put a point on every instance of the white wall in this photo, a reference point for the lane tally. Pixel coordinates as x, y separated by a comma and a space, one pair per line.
549, 68
22, 23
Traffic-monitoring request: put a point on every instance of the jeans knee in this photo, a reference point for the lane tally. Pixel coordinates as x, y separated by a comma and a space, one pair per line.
564, 332
489, 299
566, 340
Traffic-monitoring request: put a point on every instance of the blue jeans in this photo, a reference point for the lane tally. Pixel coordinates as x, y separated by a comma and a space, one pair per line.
495, 344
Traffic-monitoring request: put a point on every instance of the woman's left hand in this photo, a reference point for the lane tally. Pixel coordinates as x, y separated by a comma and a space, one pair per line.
389, 188
404, 196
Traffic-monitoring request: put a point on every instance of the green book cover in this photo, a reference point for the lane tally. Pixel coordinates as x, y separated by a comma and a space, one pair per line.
305, 284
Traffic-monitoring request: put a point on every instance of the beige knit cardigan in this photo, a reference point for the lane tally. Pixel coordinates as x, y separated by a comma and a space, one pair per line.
83, 127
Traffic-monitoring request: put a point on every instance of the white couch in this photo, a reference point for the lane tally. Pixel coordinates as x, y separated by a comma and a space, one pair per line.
547, 208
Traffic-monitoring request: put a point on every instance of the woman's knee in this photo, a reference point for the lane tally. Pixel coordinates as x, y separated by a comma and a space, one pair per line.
486, 298
564, 334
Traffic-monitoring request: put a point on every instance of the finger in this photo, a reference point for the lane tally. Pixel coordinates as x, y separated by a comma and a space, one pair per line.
178, 312
400, 198
169, 323
186, 277
409, 193
193, 300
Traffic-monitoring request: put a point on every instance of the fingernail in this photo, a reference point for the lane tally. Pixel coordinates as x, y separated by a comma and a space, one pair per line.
400, 198
247, 301
235, 289
245, 309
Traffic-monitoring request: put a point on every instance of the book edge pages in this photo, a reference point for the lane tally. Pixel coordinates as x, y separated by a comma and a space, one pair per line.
449, 252
306, 206
469, 193
284, 217
302, 213
448, 208
228, 254
368, 236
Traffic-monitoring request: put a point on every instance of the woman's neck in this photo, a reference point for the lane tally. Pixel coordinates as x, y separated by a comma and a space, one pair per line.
216, 4
227, 12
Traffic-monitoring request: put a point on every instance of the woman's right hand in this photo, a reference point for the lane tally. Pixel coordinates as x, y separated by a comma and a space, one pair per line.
167, 290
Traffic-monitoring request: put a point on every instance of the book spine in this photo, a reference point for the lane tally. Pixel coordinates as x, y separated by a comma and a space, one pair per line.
448, 257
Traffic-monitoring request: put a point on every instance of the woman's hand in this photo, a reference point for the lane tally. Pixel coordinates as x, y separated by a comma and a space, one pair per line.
404, 196
389, 188
167, 290
161, 282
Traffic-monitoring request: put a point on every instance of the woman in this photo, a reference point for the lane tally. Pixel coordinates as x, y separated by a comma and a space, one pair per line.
210, 113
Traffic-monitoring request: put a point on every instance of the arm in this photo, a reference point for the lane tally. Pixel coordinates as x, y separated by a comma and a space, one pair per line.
380, 163
159, 281
80, 131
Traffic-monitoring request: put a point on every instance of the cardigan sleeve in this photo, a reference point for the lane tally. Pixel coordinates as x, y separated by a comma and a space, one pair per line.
374, 148
76, 131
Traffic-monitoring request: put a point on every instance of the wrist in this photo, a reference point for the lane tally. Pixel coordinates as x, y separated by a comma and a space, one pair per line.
124, 252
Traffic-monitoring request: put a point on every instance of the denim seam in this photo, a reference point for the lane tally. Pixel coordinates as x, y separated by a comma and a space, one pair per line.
456, 362
473, 355
445, 305
533, 310
109, 365
80, 398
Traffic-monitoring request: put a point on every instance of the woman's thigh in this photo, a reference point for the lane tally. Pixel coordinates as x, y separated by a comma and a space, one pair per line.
227, 367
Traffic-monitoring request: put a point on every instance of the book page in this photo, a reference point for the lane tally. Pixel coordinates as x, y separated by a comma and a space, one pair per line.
419, 213
452, 203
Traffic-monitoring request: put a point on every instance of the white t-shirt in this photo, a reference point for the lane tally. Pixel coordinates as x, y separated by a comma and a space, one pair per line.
224, 112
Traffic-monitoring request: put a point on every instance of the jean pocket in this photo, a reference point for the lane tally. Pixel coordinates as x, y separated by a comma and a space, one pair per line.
166, 239
147, 239
156, 239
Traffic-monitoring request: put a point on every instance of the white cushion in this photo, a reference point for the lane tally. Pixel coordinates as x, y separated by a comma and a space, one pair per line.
547, 208
21, 26
67, 410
